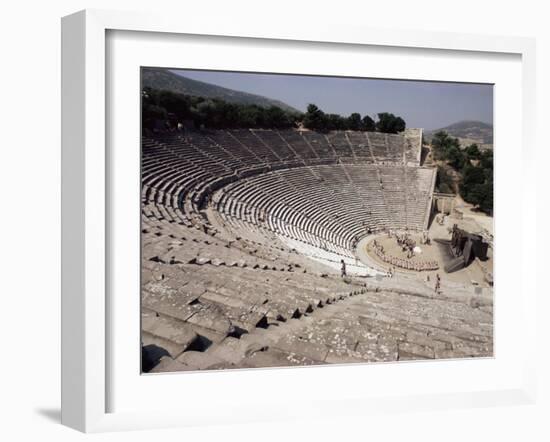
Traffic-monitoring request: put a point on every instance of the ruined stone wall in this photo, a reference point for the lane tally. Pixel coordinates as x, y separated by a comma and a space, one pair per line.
443, 203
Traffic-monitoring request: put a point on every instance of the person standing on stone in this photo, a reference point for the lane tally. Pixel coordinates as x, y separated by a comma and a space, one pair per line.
343, 269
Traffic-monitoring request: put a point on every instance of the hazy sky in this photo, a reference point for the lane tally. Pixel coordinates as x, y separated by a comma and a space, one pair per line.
429, 105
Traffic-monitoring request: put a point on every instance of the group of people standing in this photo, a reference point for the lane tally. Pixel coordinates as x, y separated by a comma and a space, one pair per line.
407, 264
406, 242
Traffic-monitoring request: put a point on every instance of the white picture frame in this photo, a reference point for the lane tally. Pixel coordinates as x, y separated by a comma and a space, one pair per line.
87, 320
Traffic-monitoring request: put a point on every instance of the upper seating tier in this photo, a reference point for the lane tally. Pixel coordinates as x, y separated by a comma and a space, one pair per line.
322, 189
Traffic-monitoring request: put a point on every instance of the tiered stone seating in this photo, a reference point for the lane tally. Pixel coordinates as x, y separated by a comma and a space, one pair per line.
340, 144
198, 289
320, 144
396, 147
243, 234
172, 168
276, 143
413, 146
325, 204
419, 183
361, 149
226, 146
254, 146
378, 324
369, 190
299, 144
395, 195
386, 148
332, 207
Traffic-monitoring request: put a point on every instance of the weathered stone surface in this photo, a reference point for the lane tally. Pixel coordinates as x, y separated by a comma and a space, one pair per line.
211, 317
274, 357
199, 360
219, 312
302, 345
179, 334
409, 350
379, 350
167, 365
161, 345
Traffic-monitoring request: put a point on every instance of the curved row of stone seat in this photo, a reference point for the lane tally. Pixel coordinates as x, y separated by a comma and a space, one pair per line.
197, 290
291, 187
367, 325
331, 207
234, 150
214, 244
413, 150
247, 201
171, 169
180, 172
286, 189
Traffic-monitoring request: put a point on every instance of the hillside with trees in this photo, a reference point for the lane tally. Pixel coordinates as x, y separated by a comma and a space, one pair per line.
467, 132
469, 170
166, 80
170, 108
164, 109
316, 119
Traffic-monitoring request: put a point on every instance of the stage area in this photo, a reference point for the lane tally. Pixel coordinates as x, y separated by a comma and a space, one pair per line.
426, 261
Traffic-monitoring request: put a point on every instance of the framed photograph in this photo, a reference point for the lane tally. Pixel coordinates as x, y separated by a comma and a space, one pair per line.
283, 222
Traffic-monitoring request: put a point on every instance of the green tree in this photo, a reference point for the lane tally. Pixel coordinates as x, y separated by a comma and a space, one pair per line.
486, 203
335, 122
444, 182
215, 113
473, 175
455, 157
473, 152
487, 159
368, 124
249, 116
176, 104
275, 117
151, 113
477, 187
439, 140
354, 121
315, 118
446, 148
389, 123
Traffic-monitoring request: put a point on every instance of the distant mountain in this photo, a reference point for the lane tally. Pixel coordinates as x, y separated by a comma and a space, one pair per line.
468, 132
165, 79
